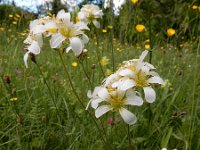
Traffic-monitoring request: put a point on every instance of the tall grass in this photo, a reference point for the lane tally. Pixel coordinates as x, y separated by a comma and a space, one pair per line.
49, 112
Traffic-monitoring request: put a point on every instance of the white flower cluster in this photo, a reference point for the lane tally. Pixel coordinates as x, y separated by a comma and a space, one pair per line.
90, 13
61, 30
122, 88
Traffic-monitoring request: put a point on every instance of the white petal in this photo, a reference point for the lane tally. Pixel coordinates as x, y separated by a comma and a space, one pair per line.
110, 79
89, 94
38, 29
156, 79
150, 94
127, 116
103, 94
95, 102
39, 39
56, 40
102, 110
82, 26
26, 59
68, 49
76, 45
149, 65
126, 72
85, 39
144, 54
64, 16
34, 48
33, 23
88, 104
133, 99
96, 24
125, 84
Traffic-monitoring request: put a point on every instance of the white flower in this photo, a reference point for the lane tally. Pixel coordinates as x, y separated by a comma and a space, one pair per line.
138, 74
34, 44
115, 99
90, 13
117, 5
67, 30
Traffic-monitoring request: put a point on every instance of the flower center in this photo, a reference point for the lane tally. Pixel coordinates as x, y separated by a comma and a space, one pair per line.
116, 101
66, 31
141, 79
91, 17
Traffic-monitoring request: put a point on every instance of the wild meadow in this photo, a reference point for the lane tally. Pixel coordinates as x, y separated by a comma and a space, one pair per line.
101, 79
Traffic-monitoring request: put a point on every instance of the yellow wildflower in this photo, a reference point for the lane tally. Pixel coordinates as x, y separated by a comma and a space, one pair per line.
199, 7
147, 41
140, 27
104, 30
2, 29
110, 27
104, 61
108, 72
167, 83
14, 22
13, 99
74, 64
22, 34
147, 46
171, 32
10, 16
194, 7
134, 1
17, 15
9, 30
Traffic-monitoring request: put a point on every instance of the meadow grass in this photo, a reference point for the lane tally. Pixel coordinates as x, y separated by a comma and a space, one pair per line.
39, 109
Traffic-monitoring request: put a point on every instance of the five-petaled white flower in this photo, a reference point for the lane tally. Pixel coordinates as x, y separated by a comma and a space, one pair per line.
115, 99
90, 13
67, 30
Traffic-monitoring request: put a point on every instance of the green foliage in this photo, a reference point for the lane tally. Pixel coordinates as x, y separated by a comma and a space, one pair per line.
47, 114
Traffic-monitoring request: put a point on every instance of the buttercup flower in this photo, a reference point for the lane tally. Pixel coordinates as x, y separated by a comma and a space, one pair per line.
90, 13
140, 28
134, 1
104, 61
170, 32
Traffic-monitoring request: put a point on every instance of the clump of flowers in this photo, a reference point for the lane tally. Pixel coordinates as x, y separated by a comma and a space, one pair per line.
62, 31
123, 88
90, 13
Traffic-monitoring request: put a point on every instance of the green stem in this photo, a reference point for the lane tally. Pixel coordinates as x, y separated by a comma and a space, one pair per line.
150, 38
98, 55
78, 98
194, 105
129, 137
86, 74
111, 37
49, 89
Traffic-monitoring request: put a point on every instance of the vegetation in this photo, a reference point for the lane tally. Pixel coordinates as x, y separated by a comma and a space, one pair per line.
39, 106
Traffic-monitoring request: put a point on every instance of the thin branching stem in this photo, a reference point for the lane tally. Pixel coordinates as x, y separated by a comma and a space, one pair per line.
79, 99
49, 89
